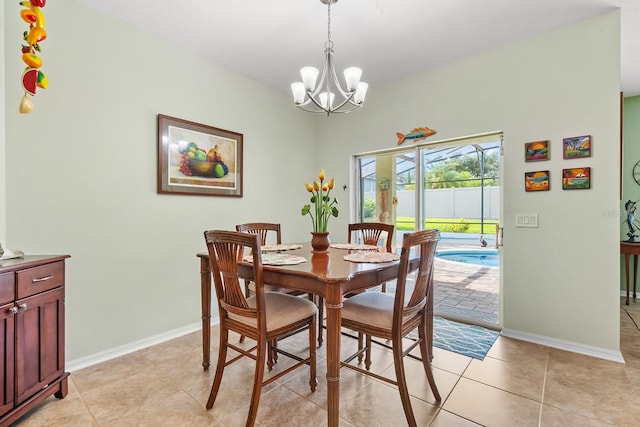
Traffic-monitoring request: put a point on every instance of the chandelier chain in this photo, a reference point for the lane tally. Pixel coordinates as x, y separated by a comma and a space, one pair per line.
329, 43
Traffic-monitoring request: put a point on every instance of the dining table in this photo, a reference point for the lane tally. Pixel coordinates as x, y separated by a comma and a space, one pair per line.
328, 275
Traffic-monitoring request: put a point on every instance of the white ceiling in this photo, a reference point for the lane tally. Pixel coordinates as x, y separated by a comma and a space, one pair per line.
270, 40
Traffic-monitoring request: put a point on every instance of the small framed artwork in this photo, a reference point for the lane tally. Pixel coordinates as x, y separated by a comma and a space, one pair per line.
576, 147
576, 178
536, 181
536, 151
198, 159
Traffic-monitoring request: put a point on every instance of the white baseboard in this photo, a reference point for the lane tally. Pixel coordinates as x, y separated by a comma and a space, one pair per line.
115, 352
122, 350
600, 353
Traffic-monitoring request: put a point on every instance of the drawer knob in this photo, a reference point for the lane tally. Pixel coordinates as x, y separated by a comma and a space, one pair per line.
13, 310
22, 306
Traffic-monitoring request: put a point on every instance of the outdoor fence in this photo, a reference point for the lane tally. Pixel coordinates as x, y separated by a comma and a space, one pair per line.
465, 202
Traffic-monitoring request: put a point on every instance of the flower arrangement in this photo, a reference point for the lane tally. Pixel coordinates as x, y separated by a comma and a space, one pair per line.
323, 207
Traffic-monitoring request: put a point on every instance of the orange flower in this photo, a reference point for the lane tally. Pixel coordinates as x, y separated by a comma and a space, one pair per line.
324, 207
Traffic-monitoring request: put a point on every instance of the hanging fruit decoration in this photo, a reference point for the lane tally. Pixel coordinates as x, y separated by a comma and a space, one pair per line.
32, 77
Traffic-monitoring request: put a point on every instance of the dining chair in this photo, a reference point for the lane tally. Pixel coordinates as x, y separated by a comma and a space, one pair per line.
370, 233
393, 317
263, 317
264, 230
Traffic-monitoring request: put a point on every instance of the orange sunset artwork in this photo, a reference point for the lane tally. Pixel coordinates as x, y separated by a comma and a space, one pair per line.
536, 181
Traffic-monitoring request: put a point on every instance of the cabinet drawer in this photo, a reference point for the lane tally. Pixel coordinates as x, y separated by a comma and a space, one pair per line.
39, 279
7, 288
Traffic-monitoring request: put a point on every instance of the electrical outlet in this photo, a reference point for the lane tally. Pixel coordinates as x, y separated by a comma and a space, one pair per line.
527, 220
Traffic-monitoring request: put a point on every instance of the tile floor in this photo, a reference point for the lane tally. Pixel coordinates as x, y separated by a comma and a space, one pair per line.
517, 384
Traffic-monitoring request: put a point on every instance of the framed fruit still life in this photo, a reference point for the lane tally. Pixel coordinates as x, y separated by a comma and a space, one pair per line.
198, 159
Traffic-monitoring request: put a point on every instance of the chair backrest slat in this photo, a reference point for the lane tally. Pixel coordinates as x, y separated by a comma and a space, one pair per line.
425, 242
262, 229
370, 232
225, 249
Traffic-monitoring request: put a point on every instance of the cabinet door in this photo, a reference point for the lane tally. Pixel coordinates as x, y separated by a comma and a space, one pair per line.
39, 342
6, 357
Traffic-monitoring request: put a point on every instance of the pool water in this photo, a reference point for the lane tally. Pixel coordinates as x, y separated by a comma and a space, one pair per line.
486, 257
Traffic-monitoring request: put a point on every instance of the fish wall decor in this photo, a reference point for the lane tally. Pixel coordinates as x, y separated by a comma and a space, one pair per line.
416, 134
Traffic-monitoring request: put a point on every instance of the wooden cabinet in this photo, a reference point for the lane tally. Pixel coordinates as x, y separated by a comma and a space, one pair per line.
31, 333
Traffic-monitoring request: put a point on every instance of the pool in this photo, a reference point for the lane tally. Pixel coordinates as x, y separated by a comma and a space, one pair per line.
484, 257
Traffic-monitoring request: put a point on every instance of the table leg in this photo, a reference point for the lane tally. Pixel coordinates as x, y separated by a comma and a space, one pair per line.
205, 289
626, 270
635, 274
333, 305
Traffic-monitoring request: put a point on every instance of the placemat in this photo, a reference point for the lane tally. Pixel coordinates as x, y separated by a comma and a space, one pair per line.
354, 247
275, 258
372, 257
280, 247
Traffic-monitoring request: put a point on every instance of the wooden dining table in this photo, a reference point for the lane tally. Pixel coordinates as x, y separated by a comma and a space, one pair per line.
328, 275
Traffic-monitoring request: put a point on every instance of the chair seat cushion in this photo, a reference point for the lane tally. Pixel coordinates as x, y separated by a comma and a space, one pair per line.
282, 310
371, 308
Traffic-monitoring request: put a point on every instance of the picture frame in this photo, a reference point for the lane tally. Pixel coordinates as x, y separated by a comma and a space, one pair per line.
536, 181
576, 147
576, 178
198, 159
536, 151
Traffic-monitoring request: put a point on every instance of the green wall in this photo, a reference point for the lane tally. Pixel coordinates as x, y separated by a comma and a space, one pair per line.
630, 156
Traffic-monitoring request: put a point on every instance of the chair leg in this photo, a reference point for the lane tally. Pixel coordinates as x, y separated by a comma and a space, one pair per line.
360, 347
246, 294
313, 381
257, 381
426, 363
222, 358
384, 287
367, 359
398, 362
320, 320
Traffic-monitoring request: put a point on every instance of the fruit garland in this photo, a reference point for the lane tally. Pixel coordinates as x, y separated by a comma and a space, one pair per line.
32, 76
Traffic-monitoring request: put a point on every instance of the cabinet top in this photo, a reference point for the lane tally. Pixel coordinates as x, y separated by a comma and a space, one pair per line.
29, 261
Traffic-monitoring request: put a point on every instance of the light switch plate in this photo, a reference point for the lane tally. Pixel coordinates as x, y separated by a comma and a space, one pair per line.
527, 220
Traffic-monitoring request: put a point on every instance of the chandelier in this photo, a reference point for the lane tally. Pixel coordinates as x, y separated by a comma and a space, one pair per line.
320, 97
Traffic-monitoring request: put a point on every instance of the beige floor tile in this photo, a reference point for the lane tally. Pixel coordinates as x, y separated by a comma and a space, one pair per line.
447, 419
590, 387
418, 384
554, 417
377, 404
70, 411
279, 407
490, 406
524, 378
511, 350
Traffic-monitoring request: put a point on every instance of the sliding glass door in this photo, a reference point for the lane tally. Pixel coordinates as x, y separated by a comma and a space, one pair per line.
451, 185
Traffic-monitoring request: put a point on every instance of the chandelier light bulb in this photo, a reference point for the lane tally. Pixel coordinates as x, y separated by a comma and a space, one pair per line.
352, 77
323, 99
298, 91
309, 77
361, 92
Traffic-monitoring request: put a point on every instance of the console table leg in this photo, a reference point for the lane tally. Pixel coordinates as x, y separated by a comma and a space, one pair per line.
626, 269
635, 274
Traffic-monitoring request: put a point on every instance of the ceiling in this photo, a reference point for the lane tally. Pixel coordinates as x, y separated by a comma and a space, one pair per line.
390, 39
